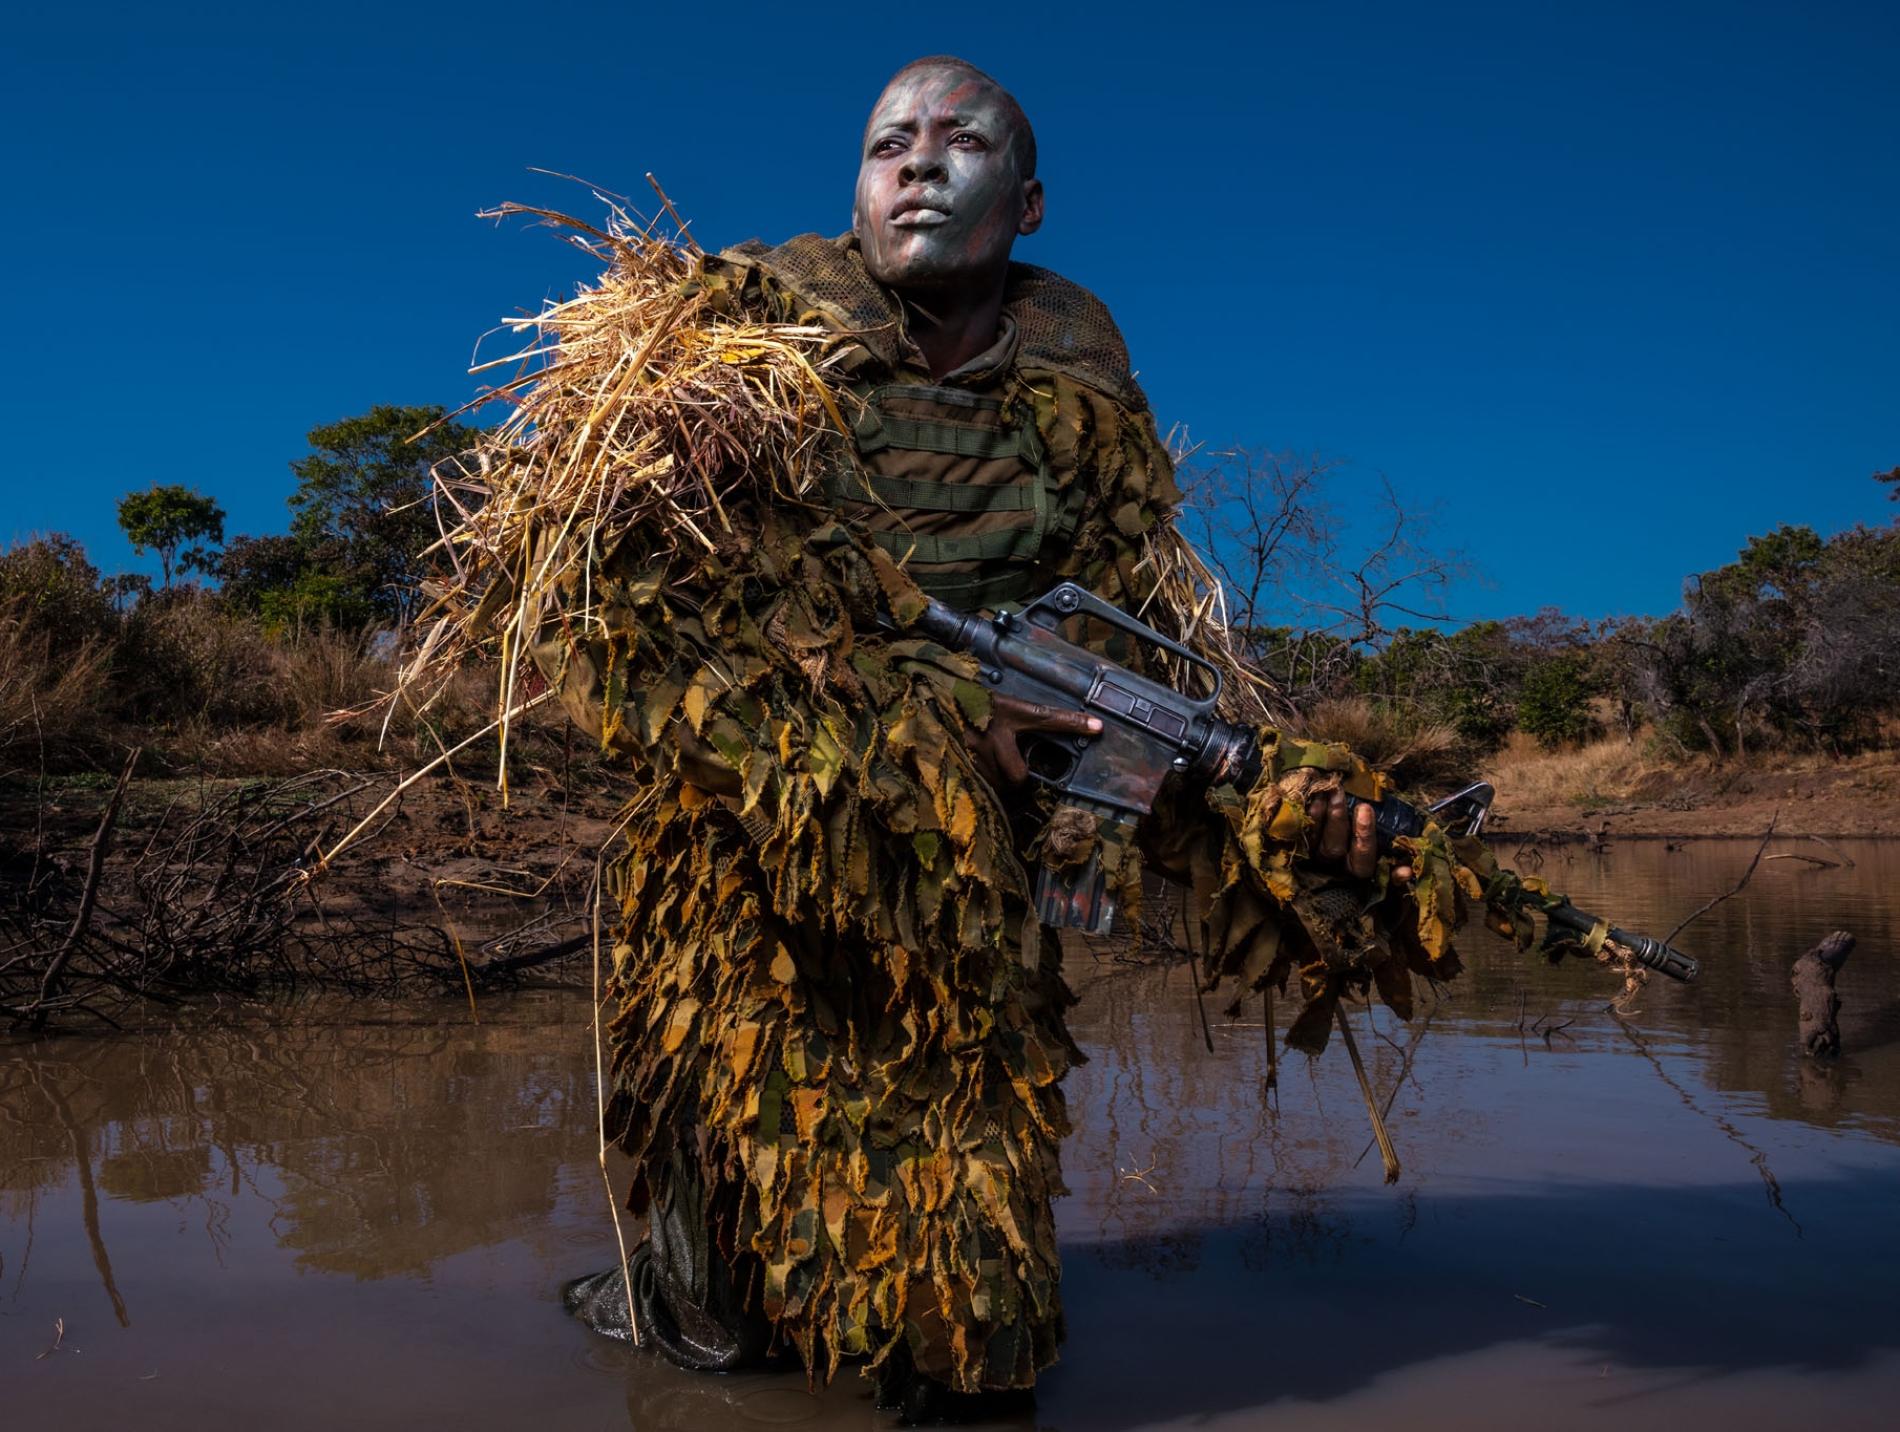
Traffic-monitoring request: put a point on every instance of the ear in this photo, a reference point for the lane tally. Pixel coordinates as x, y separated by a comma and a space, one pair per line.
1032, 207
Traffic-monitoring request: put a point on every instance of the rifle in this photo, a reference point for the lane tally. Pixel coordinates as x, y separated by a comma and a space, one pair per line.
1150, 730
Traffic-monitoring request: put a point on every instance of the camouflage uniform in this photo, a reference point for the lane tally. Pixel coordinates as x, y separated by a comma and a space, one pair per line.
839, 1042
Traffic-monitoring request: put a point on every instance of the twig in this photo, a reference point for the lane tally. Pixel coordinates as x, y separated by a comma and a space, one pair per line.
1747, 875
545, 955
89, 899
1405, 1069
1386, 1152
1273, 1056
1846, 859
600, 1077
1139, 1175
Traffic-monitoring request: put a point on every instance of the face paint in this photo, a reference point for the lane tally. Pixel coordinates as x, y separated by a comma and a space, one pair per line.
939, 197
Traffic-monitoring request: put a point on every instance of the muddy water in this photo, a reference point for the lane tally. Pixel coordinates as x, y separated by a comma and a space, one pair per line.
333, 1220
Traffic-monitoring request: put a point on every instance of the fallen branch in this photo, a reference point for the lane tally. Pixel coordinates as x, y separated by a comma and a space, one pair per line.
35, 1013
1747, 875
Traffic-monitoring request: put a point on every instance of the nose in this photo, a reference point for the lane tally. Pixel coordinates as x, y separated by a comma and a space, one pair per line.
924, 164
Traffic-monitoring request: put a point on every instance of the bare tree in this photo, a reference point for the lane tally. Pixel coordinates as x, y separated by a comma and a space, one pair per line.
1271, 526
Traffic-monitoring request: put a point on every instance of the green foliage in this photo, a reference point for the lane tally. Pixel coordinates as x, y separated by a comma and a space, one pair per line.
363, 506
174, 521
311, 600
1796, 640
250, 569
1553, 703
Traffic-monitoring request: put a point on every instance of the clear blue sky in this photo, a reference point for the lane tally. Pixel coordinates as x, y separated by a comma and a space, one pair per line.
1615, 284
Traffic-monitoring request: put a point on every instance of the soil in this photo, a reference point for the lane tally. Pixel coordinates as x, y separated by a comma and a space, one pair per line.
506, 880
1810, 796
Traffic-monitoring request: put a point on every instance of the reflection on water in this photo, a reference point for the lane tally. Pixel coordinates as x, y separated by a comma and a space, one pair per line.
322, 1221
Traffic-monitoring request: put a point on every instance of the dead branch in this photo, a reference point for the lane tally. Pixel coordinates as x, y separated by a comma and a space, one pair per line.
1747, 875
35, 1014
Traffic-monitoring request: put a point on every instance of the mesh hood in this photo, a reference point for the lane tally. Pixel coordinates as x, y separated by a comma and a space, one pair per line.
1063, 327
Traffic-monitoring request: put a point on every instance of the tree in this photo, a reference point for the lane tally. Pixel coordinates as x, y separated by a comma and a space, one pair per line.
1892, 478
1797, 638
165, 519
48, 585
363, 507
250, 569
1553, 704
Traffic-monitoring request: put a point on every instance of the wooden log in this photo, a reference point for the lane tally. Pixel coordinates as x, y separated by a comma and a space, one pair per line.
1814, 993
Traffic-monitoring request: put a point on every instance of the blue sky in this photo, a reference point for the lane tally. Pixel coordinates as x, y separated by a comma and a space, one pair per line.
1613, 286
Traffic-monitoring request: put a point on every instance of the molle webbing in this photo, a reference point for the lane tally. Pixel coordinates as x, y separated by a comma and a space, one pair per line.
955, 490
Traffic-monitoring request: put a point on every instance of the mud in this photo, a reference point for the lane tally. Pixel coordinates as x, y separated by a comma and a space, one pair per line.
361, 1215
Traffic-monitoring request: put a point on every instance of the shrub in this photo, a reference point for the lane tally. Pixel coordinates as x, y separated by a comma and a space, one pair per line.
1553, 704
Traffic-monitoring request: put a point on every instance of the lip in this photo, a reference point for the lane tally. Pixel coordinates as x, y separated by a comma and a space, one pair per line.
919, 218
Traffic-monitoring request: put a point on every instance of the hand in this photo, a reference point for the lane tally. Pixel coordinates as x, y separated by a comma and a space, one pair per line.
1348, 834
997, 750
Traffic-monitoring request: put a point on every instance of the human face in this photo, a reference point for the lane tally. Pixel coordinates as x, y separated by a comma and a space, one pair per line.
939, 198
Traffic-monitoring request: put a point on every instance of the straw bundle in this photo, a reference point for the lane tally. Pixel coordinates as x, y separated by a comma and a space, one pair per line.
637, 414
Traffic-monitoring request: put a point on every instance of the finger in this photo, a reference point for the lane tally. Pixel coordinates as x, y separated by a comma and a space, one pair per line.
1338, 832
1363, 858
1401, 874
1034, 716
1316, 813
1064, 723
1009, 759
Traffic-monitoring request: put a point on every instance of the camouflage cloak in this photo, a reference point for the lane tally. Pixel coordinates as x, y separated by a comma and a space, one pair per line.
828, 992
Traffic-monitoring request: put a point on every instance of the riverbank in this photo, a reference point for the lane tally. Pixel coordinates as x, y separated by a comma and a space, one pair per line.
1618, 789
116, 902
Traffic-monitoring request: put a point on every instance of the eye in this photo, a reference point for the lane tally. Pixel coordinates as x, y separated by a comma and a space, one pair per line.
969, 140
889, 144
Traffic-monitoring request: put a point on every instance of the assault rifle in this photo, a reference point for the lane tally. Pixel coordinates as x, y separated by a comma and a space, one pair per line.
1150, 730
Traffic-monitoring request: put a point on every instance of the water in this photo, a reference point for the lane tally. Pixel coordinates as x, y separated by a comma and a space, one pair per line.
332, 1220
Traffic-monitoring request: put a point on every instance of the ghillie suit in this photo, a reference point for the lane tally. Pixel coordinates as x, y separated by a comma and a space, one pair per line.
832, 1009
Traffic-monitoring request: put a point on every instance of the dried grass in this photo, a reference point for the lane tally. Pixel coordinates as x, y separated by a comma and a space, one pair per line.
637, 410
1600, 772
48, 696
1414, 751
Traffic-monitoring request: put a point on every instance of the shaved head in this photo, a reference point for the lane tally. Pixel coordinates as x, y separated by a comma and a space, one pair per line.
1024, 144
946, 180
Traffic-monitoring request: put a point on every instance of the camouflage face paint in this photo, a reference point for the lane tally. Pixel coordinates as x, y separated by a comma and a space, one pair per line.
940, 196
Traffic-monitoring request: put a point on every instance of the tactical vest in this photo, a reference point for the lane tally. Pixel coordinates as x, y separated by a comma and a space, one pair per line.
956, 484
959, 493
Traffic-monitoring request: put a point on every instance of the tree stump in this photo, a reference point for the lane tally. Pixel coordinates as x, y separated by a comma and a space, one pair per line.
1814, 993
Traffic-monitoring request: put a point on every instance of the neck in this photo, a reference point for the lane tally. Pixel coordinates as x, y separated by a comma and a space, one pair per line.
952, 326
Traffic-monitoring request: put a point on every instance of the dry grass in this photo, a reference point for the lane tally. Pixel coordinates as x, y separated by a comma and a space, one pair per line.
204, 688
1601, 772
49, 698
1414, 751
637, 410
